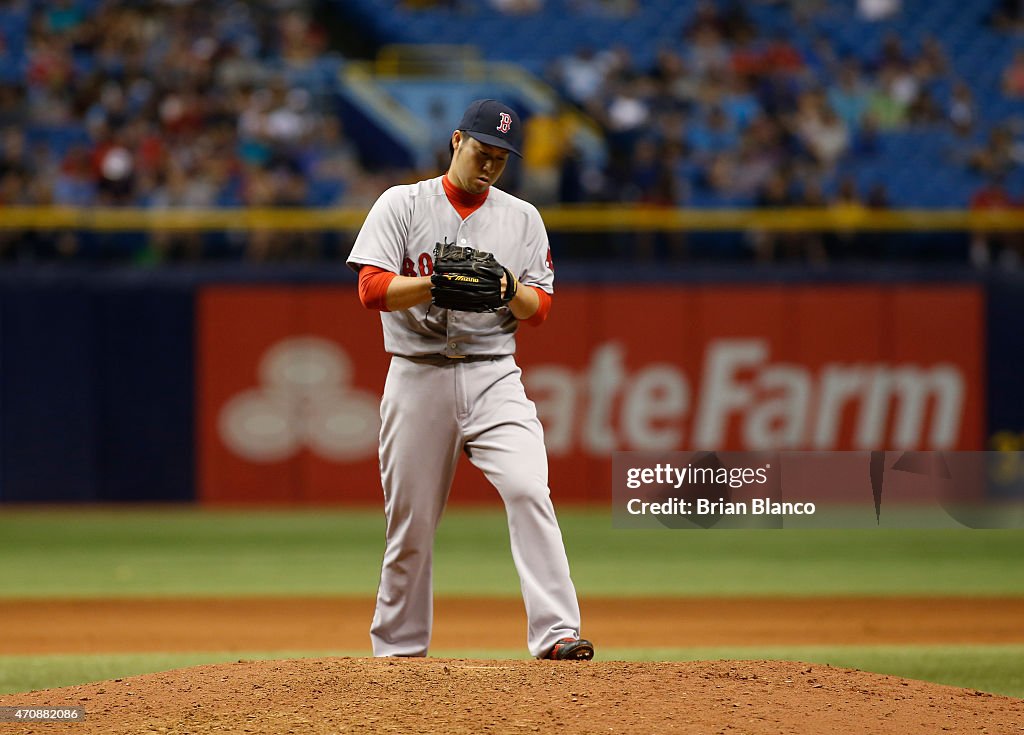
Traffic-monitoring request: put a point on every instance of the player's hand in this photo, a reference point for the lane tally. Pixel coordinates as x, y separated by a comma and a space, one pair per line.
404, 292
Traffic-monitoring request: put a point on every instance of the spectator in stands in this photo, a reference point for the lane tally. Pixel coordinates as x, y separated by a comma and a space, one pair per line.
269, 187
180, 189
1013, 76
1007, 248
299, 40
26, 177
873, 244
651, 183
584, 180
932, 62
905, 85
996, 158
650, 179
962, 111
808, 245
331, 161
821, 131
781, 56
712, 133
582, 75
114, 167
822, 60
49, 61
705, 18
184, 188
74, 185
676, 85
752, 166
627, 114
547, 138
707, 50
892, 53
14, 154
734, 95
992, 196
717, 178
886, 104
846, 198
849, 97
775, 193
848, 243
13, 105
924, 110
290, 119
13, 188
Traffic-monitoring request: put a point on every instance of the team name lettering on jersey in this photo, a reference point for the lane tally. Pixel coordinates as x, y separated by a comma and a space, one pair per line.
425, 262
424, 265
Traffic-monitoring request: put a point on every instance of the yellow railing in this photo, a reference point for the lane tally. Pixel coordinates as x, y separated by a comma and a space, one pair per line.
111, 219
559, 219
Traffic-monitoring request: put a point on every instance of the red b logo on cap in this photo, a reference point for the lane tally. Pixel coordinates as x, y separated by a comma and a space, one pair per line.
506, 122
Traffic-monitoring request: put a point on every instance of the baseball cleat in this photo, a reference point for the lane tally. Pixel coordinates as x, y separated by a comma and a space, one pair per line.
572, 649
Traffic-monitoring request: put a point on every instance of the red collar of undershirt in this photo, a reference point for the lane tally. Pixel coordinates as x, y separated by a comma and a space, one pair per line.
465, 202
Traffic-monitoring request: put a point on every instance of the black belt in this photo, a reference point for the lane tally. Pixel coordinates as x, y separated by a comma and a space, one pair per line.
441, 359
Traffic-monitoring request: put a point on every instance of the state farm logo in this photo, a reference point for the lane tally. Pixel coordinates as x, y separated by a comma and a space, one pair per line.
745, 398
305, 400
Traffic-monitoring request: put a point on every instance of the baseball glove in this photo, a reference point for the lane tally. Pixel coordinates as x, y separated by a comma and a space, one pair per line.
466, 279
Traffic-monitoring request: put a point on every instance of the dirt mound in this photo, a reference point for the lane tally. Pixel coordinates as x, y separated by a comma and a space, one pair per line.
465, 696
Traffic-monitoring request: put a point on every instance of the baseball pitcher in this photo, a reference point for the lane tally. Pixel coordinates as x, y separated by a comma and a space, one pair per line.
454, 265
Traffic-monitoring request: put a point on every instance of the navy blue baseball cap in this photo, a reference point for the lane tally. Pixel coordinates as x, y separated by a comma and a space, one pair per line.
493, 123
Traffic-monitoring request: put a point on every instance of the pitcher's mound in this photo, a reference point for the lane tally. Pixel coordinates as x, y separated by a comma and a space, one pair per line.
466, 696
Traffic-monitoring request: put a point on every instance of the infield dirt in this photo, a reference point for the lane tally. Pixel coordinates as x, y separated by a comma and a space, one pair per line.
342, 624
404, 696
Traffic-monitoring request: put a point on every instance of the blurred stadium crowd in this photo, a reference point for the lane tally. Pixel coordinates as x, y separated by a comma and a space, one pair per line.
163, 104
220, 103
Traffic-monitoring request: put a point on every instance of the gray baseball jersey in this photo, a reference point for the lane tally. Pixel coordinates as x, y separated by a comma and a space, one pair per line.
454, 387
399, 236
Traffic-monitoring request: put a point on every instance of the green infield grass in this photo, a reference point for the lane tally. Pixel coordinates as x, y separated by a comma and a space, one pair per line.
183, 551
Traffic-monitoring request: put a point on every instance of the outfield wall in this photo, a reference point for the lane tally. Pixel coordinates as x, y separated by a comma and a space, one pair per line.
237, 386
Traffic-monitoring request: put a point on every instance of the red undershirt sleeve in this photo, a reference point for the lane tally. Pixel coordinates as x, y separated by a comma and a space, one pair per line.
373, 290
542, 310
373, 287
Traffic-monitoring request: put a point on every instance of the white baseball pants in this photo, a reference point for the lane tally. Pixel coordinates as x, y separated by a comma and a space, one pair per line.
432, 409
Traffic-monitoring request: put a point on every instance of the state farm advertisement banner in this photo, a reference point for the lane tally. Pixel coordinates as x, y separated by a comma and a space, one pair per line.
289, 384
290, 378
